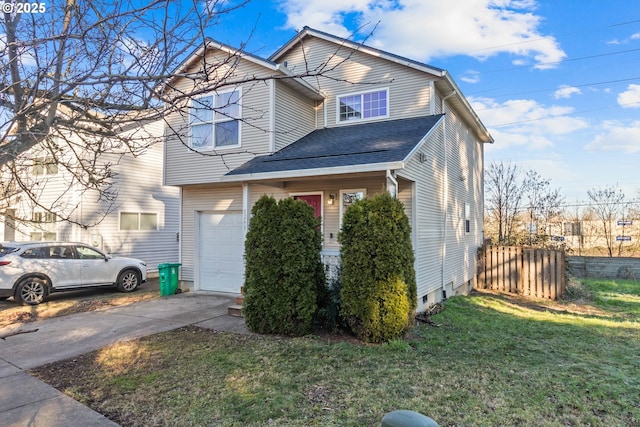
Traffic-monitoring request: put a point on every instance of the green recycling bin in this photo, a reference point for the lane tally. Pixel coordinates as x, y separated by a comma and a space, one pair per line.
168, 273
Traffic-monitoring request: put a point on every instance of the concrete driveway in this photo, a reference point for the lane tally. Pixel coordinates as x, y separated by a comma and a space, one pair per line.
27, 401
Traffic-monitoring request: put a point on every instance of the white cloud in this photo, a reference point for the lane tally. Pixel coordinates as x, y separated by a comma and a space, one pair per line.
470, 76
635, 36
566, 92
630, 98
525, 122
425, 29
617, 137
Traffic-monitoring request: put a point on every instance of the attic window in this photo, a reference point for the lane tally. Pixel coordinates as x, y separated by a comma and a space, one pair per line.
362, 106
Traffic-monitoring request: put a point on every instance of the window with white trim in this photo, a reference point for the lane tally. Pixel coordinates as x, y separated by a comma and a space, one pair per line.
43, 226
138, 221
363, 106
215, 121
349, 197
467, 218
44, 166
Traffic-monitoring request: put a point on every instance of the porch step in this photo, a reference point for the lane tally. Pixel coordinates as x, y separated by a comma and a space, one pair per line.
235, 310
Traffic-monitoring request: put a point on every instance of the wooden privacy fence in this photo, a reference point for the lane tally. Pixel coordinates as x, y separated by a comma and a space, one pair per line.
531, 272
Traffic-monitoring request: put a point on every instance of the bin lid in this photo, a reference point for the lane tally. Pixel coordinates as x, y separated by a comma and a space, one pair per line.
169, 265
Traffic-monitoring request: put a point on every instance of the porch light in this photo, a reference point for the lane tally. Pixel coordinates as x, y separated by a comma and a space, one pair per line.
332, 199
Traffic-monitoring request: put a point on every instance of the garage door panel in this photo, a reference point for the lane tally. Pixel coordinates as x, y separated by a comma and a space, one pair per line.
221, 250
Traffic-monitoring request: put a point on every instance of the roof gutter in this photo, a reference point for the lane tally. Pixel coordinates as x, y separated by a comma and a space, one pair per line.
303, 173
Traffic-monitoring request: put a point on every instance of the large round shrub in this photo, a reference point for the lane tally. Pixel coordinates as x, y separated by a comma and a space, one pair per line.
377, 260
283, 267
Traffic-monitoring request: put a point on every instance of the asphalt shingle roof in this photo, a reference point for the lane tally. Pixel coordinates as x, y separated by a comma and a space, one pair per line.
361, 144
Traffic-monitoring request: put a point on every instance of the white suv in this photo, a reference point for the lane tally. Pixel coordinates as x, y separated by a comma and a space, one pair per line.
29, 271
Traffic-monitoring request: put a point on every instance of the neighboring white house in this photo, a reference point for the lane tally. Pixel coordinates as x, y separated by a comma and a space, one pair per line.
142, 222
372, 122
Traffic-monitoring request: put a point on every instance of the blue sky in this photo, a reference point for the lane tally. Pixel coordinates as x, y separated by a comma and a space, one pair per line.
556, 82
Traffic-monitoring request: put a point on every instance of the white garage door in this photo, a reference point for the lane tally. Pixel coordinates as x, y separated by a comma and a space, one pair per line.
221, 248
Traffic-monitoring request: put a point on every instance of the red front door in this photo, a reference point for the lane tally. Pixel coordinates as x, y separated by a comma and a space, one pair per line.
313, 200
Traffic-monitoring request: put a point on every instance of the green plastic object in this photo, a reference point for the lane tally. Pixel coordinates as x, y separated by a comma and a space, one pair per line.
406, 418
168, 273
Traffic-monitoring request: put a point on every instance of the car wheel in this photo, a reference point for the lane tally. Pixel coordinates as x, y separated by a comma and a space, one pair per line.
128, 281
31, 291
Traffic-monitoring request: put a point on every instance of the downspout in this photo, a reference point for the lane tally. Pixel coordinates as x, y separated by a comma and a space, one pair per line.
394, 182
272, 116
325, 112
445, 194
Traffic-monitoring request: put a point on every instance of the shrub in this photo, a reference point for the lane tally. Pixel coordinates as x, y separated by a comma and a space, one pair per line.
283, 267
328, 316
377, 266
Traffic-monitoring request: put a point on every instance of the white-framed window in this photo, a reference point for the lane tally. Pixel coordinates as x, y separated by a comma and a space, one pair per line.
215, 121
138, 221
43, 217
467, 218
43, 226
363, 105
44, 166
349, 197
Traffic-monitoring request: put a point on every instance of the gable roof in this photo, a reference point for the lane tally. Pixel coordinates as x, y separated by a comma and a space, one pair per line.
443, 81
279, 70
366, 147
308, 31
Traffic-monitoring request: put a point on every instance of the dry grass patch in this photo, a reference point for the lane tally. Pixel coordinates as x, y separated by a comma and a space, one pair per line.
65, 303
484, 361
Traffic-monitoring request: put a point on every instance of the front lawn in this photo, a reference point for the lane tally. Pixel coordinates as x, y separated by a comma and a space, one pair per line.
486, 360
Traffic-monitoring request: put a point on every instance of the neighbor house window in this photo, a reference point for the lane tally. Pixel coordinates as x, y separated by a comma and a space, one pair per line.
138, 221
367, 105
44, 166
40, 217
215, 121
43, 226
467, 218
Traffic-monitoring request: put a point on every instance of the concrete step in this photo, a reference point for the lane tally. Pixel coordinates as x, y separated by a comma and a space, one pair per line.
235, 310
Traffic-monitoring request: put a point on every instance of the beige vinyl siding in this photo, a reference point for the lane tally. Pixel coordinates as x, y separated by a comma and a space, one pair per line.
184, 166
429, 181
216, 198
331, 213
464, 184
294, 116
409, 89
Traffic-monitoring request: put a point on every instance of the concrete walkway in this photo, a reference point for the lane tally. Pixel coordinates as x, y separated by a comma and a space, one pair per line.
27, 401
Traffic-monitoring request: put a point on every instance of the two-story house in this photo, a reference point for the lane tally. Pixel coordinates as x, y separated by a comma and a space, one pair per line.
328, 121
142, 221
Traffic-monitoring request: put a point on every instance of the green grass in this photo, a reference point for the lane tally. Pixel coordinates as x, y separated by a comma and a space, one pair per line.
488, 361
616, 296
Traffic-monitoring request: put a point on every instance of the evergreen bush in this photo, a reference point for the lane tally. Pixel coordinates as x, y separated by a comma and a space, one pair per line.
377, 260
283, 267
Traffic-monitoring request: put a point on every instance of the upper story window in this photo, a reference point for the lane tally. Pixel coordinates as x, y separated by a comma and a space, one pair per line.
44, 166
362, 106
215, 121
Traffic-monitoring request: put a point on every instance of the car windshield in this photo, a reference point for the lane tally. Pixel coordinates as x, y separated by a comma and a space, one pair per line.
6, 250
